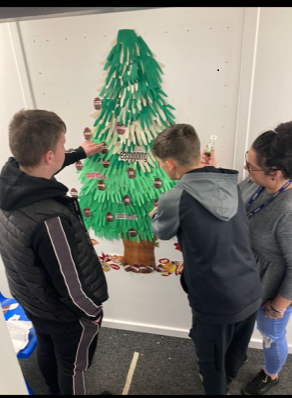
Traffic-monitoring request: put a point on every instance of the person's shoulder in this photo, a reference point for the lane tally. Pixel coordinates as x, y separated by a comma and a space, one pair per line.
284, 215
247, 184
285, 201
171, 198
171, 193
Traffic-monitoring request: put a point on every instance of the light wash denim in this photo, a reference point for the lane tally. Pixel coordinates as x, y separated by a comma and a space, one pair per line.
274, 340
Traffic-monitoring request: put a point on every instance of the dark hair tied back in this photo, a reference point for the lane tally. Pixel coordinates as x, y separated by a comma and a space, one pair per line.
274, 149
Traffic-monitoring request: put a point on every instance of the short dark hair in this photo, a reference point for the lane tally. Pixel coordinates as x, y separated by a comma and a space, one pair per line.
179, 142
32, 133
274, 150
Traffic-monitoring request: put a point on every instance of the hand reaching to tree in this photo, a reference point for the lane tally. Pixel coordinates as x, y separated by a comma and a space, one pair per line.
91, 148
151, 212
208, 160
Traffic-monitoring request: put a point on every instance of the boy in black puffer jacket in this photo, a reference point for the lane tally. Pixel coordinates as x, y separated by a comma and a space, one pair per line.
51, 265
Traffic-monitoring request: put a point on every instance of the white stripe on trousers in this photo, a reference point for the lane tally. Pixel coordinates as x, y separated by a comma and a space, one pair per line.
89, 330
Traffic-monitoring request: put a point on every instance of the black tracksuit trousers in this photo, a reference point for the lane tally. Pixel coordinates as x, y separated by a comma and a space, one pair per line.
65, 351
221, 350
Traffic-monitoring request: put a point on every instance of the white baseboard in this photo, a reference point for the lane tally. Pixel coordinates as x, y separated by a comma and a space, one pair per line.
166, 331
145, 328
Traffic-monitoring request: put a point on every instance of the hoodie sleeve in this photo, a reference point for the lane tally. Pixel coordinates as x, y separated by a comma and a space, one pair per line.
72, 156
165, 219
55, 245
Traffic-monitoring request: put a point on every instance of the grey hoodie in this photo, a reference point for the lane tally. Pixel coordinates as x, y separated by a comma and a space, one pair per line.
206, 212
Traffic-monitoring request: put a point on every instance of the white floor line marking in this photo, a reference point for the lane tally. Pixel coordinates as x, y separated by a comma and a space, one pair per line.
130, 373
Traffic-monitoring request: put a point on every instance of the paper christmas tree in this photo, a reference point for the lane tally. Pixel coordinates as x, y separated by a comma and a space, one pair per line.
122, 184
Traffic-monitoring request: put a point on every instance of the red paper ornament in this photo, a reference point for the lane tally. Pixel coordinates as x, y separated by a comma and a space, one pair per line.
109, 216
74, 193
127, 267
115, 266
157, 183
120, 129
131, 173
132, 232
105, 163
105, 150
127, 200
101, 185
86, 212
97, 103
79, 165
87, 133
143, 269
164, 260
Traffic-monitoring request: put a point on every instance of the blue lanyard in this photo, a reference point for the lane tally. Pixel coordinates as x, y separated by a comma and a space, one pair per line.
253, 198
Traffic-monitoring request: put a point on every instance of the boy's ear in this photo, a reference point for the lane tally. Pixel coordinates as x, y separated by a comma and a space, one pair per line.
48, 157
171, 164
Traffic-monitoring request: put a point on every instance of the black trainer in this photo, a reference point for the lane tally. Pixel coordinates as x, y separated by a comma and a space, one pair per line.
260, 385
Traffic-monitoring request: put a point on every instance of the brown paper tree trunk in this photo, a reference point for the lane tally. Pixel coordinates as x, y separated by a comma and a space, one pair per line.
138, 254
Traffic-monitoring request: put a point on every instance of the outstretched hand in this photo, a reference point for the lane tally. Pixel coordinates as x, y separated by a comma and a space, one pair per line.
180, 268
151, 212
91, 148
208, 160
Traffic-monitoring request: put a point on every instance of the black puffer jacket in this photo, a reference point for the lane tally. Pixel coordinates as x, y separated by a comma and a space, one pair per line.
52, 268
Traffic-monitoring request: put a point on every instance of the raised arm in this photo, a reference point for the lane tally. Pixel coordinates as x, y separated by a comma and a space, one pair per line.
86, 149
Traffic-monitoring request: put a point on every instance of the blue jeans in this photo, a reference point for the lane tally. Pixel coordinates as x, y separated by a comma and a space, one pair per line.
274, 340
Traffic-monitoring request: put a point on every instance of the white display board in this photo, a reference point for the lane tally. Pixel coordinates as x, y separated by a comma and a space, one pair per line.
209, 56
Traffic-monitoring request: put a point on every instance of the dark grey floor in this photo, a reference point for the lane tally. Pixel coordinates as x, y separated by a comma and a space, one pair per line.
166, 366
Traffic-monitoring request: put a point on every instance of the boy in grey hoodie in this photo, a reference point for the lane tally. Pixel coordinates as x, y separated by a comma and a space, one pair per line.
219, 274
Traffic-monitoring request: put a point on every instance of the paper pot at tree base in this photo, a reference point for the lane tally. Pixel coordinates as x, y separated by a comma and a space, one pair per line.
130, 112
141, 253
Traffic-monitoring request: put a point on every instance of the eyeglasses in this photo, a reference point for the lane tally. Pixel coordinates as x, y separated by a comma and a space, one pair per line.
248, 166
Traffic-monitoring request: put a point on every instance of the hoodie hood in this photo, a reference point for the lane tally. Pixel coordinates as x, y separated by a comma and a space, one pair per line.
18, 189
215, 189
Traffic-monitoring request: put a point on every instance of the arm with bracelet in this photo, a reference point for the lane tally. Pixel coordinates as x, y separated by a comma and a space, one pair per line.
276, 311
